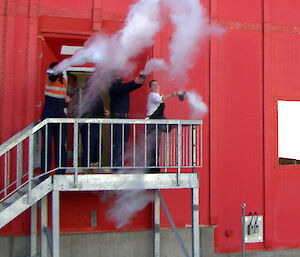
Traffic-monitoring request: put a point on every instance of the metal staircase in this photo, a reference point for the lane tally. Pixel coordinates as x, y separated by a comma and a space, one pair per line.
179, 148
22, 200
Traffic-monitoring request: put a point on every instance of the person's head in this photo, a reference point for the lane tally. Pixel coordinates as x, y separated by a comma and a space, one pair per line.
154, 86
59, 76
117, 77
52, 65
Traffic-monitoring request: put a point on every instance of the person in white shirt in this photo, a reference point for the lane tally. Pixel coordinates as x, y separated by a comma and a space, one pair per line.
156, 101
155, 110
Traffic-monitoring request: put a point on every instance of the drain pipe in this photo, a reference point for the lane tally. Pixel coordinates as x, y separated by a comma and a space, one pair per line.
243, 229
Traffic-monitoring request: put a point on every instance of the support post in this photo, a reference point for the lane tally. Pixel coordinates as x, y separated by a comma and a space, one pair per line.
44, 223
33, 231
243, 229
173, 226
55, 223
156, 236
195, 223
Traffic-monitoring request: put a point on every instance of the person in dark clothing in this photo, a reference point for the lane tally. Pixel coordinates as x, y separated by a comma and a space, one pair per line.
95, 110
119, 107
56, 100
155, 110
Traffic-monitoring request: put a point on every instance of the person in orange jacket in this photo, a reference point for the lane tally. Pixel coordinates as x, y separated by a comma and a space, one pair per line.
56, 99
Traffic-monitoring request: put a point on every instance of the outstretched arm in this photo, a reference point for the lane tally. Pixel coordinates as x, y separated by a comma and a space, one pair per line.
166, 97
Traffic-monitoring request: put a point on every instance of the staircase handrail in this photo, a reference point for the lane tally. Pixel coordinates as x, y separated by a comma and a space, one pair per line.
20, 136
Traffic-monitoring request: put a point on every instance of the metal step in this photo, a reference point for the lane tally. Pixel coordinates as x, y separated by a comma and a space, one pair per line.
20, 201
14, 197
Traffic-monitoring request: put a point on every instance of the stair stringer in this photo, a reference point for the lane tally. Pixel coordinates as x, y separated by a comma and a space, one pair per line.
22, 204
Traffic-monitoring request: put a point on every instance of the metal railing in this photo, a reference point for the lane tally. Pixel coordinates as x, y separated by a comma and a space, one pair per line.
14, 175
101, 145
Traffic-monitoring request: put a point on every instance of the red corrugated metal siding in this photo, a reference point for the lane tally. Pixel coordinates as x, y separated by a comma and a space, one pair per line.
3, 32
236, 112
236, 132
239, 75
71, 5
235, 10
116, 6
7, 112
282, 59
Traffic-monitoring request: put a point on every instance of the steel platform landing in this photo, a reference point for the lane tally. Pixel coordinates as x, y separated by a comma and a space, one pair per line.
100, 182
96, 182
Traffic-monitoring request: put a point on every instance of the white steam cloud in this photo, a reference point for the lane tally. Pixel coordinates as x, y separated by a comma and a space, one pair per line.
115, 53
129, 202
198, 107
143, 22
155, 65
189, 21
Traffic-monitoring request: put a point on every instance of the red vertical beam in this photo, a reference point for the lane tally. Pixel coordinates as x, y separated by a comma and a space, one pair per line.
97, 14
33, 62
8, 99
268, 124
3, 20
213, 129
20, 54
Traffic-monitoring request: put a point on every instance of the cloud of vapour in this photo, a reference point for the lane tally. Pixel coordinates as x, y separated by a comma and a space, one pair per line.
190, 27
197, 106
95, 50
128, 202
115, 53
143, 22
189, 22
155, 65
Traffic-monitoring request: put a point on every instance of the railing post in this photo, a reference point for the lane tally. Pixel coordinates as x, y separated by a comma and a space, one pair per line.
100, 145
194, 147
19, 163
123, 145
201, 145
75, 153
60, 144
179, 143
134, 145
88, 144
145, 140
167, 149
111, 145
46, 142
30, 166
156, 145
6, 172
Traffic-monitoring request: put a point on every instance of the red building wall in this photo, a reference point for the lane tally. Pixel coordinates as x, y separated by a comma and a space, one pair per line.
240, 75
282, 60
236, 119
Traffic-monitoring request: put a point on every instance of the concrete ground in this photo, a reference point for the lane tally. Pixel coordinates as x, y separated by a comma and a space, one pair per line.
128, 244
